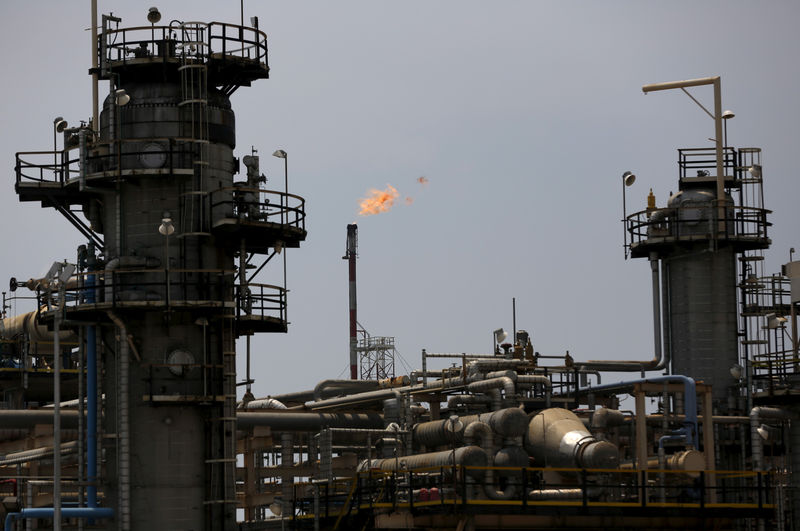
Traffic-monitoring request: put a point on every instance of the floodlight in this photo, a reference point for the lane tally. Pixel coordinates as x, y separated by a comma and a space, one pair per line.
727, 115
153, 15
500, 335
121, 97
281, 154
60, 124
629, 178
166, 228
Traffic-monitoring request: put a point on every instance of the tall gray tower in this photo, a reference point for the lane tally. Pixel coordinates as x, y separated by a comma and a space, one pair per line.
697, 252
177, 240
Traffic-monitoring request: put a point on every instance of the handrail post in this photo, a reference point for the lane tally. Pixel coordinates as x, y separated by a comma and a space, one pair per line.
524, 487
702, 489
410, 490
584, 495
643, 486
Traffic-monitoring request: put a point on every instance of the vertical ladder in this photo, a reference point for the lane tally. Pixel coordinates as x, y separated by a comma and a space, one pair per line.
194, 102
221, 459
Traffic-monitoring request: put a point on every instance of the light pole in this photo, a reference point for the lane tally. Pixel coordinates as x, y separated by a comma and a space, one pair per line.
628, 178
281, 154
59, 124
717, 117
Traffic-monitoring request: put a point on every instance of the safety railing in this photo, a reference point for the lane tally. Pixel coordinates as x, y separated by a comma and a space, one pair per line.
261, 300
699, 162
259, 205
217, 41
144, 154
431, 488
696, 222
161, 288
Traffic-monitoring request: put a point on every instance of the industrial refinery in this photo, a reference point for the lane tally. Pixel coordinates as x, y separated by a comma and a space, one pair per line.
122, 408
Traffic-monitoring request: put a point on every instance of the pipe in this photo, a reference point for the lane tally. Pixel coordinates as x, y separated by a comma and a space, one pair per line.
481, 430
690, 397
557, 437
67, 512
294, 421
756, 415
510, 422
350, 400
535, 379
504, 382
27, 418
91, 400
124, 434
264, 403
289, 420
468, 456
343, 386
659, 361
27, 324
37, 453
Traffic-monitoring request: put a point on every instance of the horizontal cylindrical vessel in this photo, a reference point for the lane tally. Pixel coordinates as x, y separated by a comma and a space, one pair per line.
510, 422
469, 456
557, 437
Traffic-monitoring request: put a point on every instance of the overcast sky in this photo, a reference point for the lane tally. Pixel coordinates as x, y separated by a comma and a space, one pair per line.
522, 115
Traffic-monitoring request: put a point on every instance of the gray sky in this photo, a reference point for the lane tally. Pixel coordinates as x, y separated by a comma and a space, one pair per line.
522, 115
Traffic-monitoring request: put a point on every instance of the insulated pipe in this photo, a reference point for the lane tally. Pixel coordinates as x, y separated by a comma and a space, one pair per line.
481, 430
294, 421
505, 383
510, 422
484, 365
27, 418
124, 434
343, 386
690, 397
264, 403
659, 361
468, 456
455, 401
279, 420
351, 400
37, 453
557, 437
524, 380
12, 327
756, 415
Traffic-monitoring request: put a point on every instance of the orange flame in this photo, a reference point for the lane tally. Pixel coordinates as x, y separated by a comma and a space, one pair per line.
378, 201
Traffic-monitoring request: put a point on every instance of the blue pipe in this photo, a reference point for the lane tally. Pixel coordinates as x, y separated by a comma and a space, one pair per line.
92, 511
66, 512
689, 429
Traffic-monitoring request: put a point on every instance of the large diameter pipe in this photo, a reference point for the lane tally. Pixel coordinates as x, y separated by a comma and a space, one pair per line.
343, 386
468, 456
557, 437
352, 400
279, 420
294, 421
510, 422
26, 324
